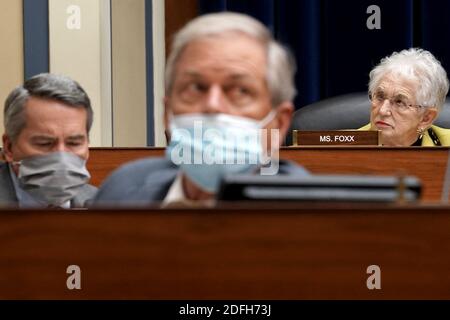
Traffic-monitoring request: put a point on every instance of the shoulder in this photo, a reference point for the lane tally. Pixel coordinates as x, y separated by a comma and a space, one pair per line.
442, 134
7, 191
4, 168
441, 131
5, 176
84, 197
139, 170
140, 180
89, 190
364, 128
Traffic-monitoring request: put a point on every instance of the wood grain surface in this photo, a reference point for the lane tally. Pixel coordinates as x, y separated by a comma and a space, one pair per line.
428, 164
307, 252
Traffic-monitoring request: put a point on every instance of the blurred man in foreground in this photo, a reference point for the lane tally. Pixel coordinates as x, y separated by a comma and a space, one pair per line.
229, 93
45, 145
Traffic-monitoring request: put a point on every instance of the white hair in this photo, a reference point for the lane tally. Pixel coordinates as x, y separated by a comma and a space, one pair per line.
416, 65
280, 64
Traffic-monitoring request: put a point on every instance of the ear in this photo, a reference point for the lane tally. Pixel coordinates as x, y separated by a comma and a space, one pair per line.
428, 117
7, 148
284, 117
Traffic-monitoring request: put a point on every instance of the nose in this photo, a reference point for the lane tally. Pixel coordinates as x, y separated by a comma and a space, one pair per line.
385, 108
215, 101
60, 146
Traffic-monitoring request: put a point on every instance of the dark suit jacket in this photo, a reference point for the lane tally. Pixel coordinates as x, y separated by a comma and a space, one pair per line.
8, 196
147, 181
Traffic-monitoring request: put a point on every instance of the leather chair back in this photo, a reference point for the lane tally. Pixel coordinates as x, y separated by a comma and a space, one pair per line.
348, 111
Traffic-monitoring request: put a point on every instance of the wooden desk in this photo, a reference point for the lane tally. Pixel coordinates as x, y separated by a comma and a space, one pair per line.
307, 252
428, 164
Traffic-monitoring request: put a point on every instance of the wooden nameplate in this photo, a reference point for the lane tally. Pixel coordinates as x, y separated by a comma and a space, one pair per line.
336, 138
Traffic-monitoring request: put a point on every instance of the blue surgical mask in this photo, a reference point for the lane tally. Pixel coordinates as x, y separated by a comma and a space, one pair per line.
208, 146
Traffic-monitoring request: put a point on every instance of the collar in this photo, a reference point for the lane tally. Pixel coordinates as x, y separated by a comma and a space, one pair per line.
432, 137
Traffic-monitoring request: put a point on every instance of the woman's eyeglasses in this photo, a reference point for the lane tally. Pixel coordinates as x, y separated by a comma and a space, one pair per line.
398, 103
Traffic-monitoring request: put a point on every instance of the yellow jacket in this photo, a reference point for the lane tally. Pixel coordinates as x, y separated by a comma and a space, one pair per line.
442, 134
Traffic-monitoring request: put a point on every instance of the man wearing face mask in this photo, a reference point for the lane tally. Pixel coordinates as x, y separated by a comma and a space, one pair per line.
228, 106
45, 145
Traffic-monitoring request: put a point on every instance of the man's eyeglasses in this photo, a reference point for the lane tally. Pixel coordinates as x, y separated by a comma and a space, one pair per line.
398, 103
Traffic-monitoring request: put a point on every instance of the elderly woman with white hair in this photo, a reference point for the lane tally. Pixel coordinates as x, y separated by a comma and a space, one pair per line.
407, 91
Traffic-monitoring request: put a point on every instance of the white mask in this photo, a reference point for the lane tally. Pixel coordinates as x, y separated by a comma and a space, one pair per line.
208, 146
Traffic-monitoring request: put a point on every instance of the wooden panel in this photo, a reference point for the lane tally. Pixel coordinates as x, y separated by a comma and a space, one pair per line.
310, 252
178, 13
102, 161
335, 137
428, 164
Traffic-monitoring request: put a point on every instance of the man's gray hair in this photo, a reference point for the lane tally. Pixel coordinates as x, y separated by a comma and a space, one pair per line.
416, 65
45, 86
280, 63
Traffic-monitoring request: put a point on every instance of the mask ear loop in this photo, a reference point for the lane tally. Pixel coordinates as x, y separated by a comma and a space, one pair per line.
269, 117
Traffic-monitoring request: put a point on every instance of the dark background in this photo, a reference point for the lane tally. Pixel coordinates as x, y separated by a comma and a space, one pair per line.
334, 49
